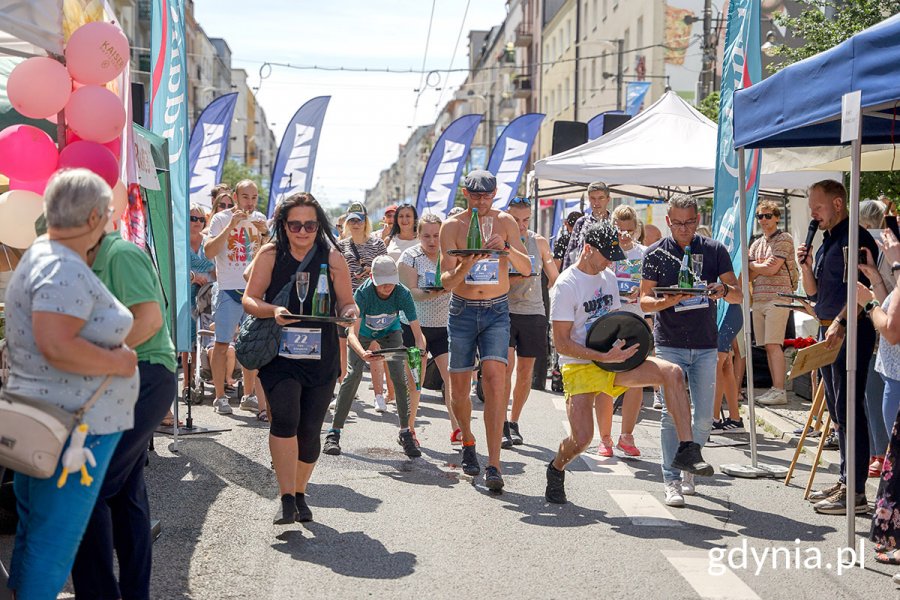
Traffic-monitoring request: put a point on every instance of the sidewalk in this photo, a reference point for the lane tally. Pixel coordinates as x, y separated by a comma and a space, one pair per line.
781, 421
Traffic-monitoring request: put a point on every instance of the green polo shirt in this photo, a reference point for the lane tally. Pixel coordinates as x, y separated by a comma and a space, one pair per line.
127, 272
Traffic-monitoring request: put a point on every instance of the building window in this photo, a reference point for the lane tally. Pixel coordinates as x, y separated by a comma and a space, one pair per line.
584, 19
568, 34
568, 94
605, 9
546, 106
584, 84
639, 32
627, 37
593, 75
559, 98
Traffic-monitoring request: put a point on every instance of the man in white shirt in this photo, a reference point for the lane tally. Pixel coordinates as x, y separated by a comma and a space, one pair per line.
235, 235
583, 293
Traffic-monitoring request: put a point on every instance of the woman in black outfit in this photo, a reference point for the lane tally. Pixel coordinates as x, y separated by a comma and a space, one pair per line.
299, 389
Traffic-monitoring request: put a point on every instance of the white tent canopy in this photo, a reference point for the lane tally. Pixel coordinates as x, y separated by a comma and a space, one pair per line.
669, 144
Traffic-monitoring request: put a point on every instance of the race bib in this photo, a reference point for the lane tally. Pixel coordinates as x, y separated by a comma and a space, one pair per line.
430, 278
297, 342
628, 276
695, 302
535, 266
484, 272
380, 322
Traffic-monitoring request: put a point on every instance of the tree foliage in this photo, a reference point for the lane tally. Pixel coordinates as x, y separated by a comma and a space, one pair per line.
709, 107
823, 25
233, 171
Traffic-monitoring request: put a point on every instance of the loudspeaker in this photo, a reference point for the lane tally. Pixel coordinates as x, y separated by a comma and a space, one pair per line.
137, 103
612, 120
568, 134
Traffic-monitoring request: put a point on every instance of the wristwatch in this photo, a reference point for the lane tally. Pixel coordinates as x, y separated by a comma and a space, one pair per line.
895, 267
506, 247
870, 305
842, 322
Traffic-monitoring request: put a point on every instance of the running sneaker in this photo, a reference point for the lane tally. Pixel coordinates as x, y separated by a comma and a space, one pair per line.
380, 405
605, 449
408, 441
456, 437
824, 494
332, 444
836, 504
732, 426
657, 399
674, 495
688, 458
492, 479
626, 445
506, 443
831, 442
221, 406
250, 403
514, 434
688, 486
556, 485
469, 461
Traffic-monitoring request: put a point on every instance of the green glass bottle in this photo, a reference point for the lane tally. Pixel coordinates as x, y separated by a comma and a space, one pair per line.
414, 360
437, 271
685, 276
473, 239
321, 302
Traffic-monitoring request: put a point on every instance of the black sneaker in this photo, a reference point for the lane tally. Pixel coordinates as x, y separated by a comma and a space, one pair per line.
304, 514
732, 426
718, 427
492, 479
506, 443
332, 443
410, 448
469, 461
556, 485
514, 434
288, 511
831, 442
689, 459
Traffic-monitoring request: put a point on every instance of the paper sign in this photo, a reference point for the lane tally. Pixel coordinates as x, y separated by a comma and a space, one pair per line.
146, 169
813, 357
851, 103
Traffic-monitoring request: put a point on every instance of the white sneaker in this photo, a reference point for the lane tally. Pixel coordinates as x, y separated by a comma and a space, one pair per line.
688, 487
774, 397
250, 403
221, 406
657, 399
380, 405
674, 495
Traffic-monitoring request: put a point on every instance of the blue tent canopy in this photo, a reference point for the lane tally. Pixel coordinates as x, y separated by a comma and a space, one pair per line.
801, 104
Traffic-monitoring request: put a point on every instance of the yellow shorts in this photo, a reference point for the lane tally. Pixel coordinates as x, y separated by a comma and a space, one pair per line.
581, 378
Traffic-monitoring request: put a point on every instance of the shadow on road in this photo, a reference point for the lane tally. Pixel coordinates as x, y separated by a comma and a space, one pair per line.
327, 495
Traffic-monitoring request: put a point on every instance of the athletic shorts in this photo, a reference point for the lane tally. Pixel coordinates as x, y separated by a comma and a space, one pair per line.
528, 335
581, 378
731, 326
409, 340
436, 340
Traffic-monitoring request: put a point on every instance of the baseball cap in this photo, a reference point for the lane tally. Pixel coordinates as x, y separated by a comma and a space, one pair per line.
604, 238
391, 208
356, 215
384, 270
357, 207
573, 218
480, 180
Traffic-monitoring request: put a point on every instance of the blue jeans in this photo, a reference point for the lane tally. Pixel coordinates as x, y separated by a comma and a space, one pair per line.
700, 368
51, 523
890, 403
481, 325
875, 393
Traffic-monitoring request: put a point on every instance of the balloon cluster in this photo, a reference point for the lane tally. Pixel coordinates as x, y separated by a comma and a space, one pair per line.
41, 88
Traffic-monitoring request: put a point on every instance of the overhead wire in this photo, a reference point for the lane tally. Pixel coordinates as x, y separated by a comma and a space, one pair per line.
423, 78
462, 26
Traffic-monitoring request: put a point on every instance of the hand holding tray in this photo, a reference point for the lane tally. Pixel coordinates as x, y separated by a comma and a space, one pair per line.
686, 291
477, 252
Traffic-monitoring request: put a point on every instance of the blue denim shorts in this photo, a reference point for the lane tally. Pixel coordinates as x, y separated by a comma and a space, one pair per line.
481, 325
731, 326
228, 314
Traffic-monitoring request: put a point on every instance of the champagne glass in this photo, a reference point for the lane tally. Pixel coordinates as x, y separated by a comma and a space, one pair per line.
487, 228
697, 266
302, 285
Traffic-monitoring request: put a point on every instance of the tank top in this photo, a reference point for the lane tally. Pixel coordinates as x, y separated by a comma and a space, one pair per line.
525, 293
309, 372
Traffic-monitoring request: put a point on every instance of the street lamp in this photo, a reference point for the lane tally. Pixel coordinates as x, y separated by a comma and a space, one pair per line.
769, 48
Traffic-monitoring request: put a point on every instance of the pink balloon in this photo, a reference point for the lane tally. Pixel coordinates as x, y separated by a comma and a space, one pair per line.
114, 146
39, 87
91, 156
95, 114
97, 53
37, 187
27, 153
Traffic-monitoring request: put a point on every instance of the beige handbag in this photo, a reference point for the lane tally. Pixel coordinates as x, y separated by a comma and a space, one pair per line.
33, 432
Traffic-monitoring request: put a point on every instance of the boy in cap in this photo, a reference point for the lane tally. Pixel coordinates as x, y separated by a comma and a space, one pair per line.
583, 293
380, 301
479, 317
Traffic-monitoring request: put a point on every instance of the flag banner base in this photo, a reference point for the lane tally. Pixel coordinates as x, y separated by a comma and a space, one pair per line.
757, 472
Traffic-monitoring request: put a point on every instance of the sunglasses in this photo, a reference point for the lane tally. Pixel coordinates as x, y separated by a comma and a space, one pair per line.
481, 195
223, 205
766, 216
296, 226
198, 219
522, 201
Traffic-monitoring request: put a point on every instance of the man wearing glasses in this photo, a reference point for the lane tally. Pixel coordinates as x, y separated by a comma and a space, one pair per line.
527, 317
598, 198
479, 317
235, 235
685, 331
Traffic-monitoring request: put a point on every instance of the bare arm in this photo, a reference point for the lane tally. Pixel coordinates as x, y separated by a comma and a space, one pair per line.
214, 245
562, 341
770, 266
807, 278
547, 262
147, 321
650, 303
518, 254
340, 277
260, 278
56, 336
417, 333
410, 278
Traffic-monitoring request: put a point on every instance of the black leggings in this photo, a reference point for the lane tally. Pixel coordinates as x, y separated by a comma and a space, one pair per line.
298, 411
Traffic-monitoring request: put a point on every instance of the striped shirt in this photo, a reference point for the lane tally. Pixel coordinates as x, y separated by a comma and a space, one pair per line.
360, 256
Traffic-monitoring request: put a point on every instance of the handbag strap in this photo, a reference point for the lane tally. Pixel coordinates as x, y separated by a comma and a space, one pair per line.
79, 414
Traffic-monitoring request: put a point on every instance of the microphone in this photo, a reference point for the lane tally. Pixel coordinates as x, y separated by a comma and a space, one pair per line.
811, 233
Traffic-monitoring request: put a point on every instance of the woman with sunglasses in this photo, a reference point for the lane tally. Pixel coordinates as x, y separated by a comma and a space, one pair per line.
299, 382
773, 271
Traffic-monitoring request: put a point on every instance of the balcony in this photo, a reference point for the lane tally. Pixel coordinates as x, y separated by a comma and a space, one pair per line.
522, 86
524, 36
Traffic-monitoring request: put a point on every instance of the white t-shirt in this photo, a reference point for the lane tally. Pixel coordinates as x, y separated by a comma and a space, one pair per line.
628, 276
397, 246
582, 299
244, 241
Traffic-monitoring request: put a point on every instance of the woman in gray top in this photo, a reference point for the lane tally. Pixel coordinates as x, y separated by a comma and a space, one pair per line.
65, 332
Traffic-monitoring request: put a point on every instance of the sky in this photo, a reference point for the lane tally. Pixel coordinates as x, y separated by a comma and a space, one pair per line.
370, 114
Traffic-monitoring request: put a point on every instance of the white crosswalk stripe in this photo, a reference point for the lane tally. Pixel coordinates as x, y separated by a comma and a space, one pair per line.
644, 509
694, 565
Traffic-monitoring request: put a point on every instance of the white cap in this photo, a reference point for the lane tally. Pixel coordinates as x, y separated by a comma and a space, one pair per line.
384, 271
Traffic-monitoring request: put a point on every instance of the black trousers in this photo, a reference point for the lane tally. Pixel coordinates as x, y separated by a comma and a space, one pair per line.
834, 378
121, 517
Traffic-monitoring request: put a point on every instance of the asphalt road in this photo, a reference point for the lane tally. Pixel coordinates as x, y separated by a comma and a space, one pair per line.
389, 527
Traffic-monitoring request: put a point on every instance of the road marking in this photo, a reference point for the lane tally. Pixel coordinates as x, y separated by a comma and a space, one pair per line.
644, 509
693, 565
607, 466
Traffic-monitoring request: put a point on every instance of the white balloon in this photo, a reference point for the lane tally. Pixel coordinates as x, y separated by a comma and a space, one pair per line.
19, 209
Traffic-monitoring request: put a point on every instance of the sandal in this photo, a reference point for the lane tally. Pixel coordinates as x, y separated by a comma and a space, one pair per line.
626, 445
263, 416
169, 421
889, 557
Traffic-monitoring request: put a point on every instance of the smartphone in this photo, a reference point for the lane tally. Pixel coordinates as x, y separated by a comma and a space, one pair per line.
862, 256
891, 222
